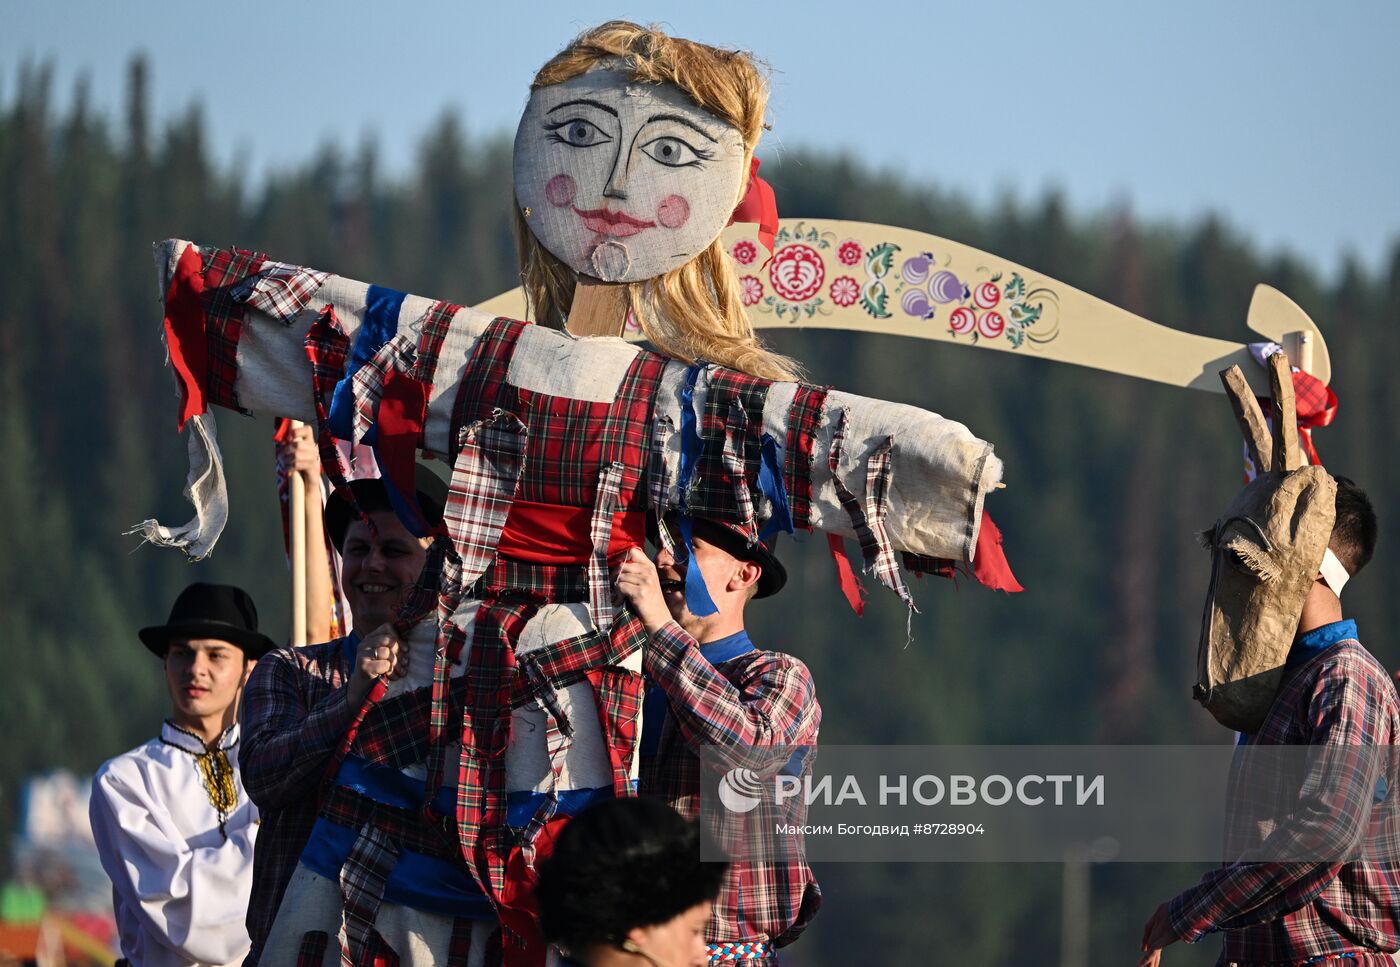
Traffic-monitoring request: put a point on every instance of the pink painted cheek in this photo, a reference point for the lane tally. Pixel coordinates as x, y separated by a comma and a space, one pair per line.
561, 191
673, 212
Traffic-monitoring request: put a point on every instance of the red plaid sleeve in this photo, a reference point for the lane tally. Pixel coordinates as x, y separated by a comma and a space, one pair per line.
774, 703
1344, 710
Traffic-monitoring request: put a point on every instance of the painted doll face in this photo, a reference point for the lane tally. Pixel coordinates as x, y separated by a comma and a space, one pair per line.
624, 181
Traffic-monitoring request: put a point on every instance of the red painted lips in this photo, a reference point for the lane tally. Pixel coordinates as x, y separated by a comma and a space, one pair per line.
601, 221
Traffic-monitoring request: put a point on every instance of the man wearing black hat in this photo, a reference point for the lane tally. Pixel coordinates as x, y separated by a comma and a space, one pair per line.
300, 702
173, 826
708, 686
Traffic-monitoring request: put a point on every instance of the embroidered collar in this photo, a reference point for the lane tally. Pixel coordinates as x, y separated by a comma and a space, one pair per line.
1319, 639
186, 741
213, 765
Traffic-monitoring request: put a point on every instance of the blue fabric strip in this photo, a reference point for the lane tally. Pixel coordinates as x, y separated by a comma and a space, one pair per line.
404, 506
654, 704
697, 596
348, 646
380, 323
418, 881
770, 482
1320, 639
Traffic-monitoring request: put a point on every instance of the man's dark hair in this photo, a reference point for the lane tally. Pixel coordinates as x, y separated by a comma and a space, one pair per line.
1354, 533
622, 864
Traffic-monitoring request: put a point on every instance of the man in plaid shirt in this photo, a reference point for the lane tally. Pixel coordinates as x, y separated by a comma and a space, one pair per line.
300, 702
708, 686
1336, 695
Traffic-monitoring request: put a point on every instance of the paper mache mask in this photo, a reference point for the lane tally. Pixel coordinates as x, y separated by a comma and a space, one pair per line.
1266, 550
623, 180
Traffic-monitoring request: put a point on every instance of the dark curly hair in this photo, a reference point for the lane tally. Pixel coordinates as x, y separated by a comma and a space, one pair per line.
622, 864
1354, 533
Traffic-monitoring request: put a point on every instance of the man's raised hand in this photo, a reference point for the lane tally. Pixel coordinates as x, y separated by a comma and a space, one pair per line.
639, 585
381, 653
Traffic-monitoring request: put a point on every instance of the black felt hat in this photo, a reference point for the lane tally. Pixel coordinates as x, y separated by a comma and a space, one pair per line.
732, 539
219, 611
371, 494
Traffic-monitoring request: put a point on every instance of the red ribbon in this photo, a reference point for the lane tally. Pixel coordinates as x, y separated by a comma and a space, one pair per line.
759, 206
184, 333
989, 564
845, 576
403, 406
555, 534
521, 941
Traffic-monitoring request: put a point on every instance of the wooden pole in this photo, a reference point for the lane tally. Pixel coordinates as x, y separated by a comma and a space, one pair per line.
296, 521
598, 309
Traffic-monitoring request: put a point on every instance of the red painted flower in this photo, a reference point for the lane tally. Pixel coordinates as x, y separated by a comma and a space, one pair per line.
849, 252
744, 252
987, 295
796, 272
962, 321
845, 291
991, 325
750, 290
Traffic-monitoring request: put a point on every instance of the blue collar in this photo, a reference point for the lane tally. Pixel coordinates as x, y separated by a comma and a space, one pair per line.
1320, 639
726, 648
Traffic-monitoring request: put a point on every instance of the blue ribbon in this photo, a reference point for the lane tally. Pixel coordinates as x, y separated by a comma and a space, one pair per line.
405, 506
697, 596
770, 482
380, 323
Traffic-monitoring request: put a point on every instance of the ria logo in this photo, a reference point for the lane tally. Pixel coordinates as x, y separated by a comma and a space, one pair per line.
740, 790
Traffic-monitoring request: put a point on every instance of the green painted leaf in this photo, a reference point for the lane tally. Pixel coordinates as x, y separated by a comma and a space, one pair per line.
875, 307
1026, 315
880, 259
1015, 335
1016, 287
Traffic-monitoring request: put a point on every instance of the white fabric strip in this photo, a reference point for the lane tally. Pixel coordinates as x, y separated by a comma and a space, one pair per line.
1334, 572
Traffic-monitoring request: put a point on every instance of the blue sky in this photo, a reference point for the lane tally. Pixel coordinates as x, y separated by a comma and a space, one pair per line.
1279, 115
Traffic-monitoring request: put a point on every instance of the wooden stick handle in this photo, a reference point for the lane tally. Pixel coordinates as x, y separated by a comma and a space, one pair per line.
296, 520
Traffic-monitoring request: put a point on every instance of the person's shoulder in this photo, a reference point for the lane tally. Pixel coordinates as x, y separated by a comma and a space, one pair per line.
1350, 659
768, 662
128, 769
310, 658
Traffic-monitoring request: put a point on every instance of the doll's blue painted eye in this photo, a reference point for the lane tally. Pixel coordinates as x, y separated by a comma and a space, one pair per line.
672, 152
577, 133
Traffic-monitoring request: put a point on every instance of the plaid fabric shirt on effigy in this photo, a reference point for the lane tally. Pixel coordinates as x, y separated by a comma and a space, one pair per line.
559, 448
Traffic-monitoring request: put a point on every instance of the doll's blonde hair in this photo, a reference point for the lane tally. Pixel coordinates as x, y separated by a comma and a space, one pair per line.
694, 311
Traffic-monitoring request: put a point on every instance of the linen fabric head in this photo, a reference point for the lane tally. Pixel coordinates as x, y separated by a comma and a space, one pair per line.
1266, 552
623, 180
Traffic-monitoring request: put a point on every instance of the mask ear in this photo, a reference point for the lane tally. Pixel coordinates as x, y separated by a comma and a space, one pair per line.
1251, 419
1287, 453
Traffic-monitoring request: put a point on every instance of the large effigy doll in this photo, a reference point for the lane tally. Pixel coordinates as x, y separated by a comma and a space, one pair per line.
523, 699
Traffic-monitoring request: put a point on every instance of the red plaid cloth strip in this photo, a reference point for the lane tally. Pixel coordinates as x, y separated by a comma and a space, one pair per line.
293, 714
459, 948
224, 269
600, 589
714, 485
327, 347
1290, 913
758, 699
868, 519
362, 878
280, 290
804, 420
484, 480
481, 778
434, 326
618, 695
483, 388
625, 432
367, 385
